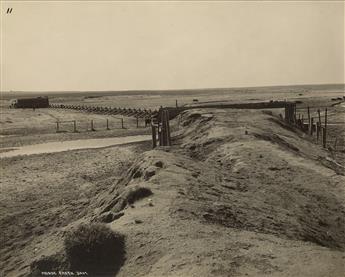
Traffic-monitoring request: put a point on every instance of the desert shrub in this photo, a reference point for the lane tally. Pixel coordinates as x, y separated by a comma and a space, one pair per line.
47, 264
138, 193
94, 248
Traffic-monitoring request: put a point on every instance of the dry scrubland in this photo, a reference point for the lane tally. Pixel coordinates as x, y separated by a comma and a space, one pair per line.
238, 194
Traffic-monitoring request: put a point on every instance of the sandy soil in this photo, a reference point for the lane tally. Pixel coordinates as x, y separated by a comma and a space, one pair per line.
40, 194
238, 194
231, 204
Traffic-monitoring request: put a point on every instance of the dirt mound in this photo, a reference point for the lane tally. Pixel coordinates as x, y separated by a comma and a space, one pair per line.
233, 181
239, 193
266, 179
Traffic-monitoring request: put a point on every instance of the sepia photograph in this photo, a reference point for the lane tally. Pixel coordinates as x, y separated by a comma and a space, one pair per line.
172, 138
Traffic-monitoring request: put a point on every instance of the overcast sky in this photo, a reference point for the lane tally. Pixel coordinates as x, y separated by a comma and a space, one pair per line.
168, 45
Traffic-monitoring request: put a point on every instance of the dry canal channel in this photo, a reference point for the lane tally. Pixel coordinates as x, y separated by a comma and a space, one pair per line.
60, 146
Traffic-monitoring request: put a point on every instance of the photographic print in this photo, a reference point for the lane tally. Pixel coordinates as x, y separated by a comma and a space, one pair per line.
172, 138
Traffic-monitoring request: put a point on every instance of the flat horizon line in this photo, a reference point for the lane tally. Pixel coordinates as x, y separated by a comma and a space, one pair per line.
178, 89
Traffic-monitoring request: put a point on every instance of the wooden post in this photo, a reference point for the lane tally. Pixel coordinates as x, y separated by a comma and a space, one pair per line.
137, 122
108, 124
154, 137
92, 128
160, 133
57, 126
323, 137
325, 130
292, 117
164, 129
294, 113
286, 112
167, 128
318, 111
74, 126
311, 126
122, 123
308, 120
317, 130
299, 120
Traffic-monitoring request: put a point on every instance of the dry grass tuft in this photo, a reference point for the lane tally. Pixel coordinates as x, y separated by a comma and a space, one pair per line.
95, 248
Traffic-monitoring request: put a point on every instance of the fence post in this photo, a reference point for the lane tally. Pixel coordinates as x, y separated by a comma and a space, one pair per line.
122, 123
311, 125
325, 132
92, 128
286, 113
308, 120
154, 137
57, 127
318, 111
164, 129
302, 123
108, 124
295, 113
75, 126
323, 137
137, 122
160, 133
167, 127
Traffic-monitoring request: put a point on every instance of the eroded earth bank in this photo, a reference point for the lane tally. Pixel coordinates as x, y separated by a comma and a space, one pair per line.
238, 194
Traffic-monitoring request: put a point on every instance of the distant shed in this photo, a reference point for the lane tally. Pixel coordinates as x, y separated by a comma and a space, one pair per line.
30, 103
